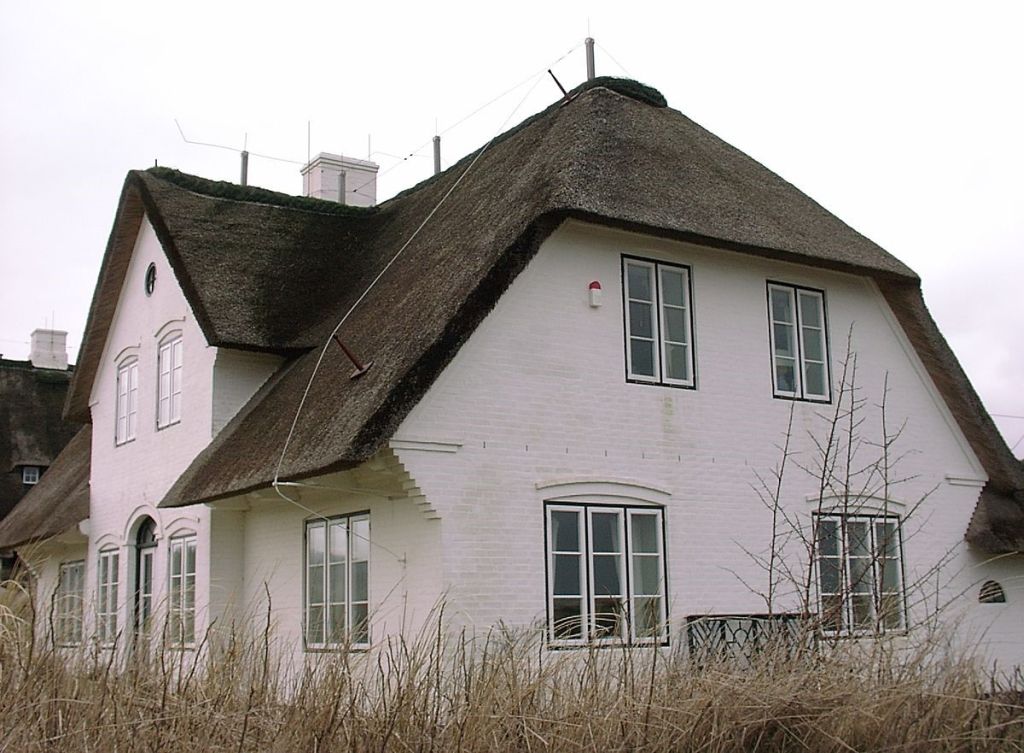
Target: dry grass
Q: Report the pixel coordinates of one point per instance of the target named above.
(499, 693)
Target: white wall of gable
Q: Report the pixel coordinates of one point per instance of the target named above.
(539, 394)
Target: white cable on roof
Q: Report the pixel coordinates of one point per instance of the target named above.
(327, 343)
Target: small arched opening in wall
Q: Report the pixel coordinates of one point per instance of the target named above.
(991, 593)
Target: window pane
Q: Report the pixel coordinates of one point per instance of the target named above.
(647, 617)
(336, 587)
(607, 579)
(785, 375)
(566, 619)
(782, 305)
(889, 574)
(861, 577)
(863, 611)
(886, 540)
(814, 378)
(339, 541)
(645, 532)
(673, 286)
(857, 536)
(315, 625)
(675, 325)
(605, 531)
(810, 309)
(359, 581)
(641, 353)
(828, 537)
(360, 539)
(639, 282)
(677, 362)
(646, 575)
(608, 618)
(891, 606)
(640, 319)
(336, 623)
(828, 575)
(785, 342)
(567, 575)
(565, 534)
(360, 624)
(814, 341)
(315, 583)
(315, 544)
(832, 613)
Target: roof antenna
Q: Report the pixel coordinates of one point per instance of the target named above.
(361, 368)
(565, 94)
(589, 42)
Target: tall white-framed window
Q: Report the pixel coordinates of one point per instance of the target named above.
(169, 363)
(30, 475)
(659, 322)
(107, 575)
(860, 573)
(67, 604)
(799, 342)
(127, 408)
(606, 574)
(337, 582)
(181, 623)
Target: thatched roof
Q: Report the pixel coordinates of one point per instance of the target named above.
(265, 273)
(58, 502)
(32, 430)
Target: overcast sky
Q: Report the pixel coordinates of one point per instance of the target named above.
(904, 119)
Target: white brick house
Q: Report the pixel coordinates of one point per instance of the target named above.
(581, 366)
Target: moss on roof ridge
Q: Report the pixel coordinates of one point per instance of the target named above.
(220, 189)
(627, 87)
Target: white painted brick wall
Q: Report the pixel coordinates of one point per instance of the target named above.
(539, 394)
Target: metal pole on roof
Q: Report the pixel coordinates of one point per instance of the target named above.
(589, 42)
(245, 168)
(437, 154)
(341, 188)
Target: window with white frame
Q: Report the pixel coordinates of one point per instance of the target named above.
(606, 574)
(659, 322)
(30, 475)
(337, 581)
(67, 604)
(181, 623)
(169, 359)
(108, 567)
(799, 342)
(860, 573)
(127, 408)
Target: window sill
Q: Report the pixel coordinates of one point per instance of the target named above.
(161, 427)
(652, 383)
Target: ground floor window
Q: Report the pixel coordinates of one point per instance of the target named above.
(67, 604)
(337, 581)
(108, 567)
(181, 623)
(860, 573)
(606, 574)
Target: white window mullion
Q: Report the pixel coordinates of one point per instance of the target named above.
(676, 329)
(642, 338)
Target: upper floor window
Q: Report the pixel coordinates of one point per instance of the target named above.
(606, 574)
(169, 384)
(182, 613)
(860, 573)
(30, 474)
(337, 581)
(127, 408)
(799, 342)
(108, 568)
(67, 606)
(659, 322)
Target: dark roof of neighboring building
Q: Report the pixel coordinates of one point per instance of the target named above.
(58, 502)
(267, 272)
(32, 429)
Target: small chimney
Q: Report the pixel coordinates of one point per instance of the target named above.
(49, 349)
(343, 179)
(437, 155)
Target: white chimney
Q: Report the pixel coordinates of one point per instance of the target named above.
(342, 179)
(49, 349)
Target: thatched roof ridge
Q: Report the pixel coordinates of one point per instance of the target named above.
(58, 502)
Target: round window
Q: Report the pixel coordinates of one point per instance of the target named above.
(150, 278)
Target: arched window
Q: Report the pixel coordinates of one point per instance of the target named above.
(991, 593)
(145, 551)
